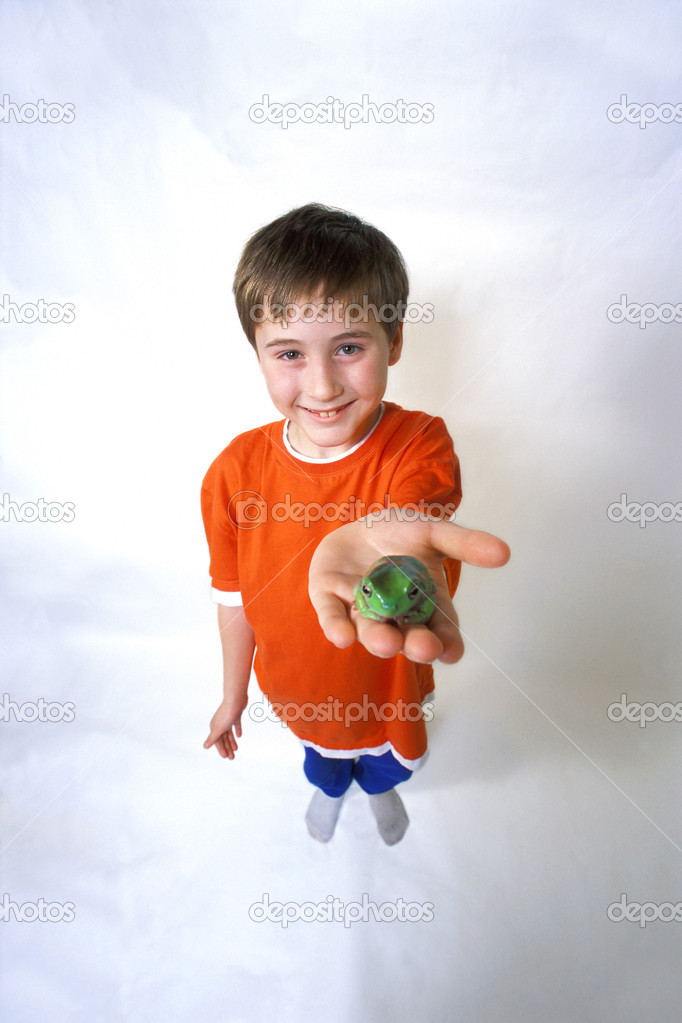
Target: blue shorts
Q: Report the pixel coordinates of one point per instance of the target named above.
(374, 774)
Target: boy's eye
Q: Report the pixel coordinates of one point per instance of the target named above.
(345, 349)
(285, 356)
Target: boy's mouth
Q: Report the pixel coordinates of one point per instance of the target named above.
(327, 413)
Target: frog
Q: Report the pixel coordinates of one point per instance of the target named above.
(397, 589)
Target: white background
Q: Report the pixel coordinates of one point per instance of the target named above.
(523, 213)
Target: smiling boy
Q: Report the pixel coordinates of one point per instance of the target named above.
(326, 376)
(320, 296)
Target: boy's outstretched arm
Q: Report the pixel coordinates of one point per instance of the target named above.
(238, 643)
(343, 557)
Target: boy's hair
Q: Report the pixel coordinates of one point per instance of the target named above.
(316, 249)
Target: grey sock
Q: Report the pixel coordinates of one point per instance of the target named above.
(322, 815)
(390, 815)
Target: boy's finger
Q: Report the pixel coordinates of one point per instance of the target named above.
(333, 617)
(213, 738)
(446, 628)
(422, 645)
(470, 545)
(379, 638)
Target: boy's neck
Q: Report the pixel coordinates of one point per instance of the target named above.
(331, 458)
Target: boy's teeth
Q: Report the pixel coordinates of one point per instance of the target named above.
(326, 415)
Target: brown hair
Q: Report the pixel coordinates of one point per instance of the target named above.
(316, 249)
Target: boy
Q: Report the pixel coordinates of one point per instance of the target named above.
(321, 297)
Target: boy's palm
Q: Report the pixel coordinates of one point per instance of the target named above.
(344, 557)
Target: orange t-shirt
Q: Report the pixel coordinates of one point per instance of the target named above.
(265, 510)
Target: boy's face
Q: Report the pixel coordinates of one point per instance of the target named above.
(327, 375)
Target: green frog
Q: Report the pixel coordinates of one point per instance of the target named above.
(397, 589)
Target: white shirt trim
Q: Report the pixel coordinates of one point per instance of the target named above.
(229, 598)
(372, 751)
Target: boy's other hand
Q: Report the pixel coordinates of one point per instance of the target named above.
(344, 557)
(226, 728)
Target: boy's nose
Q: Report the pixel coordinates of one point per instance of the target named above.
(321, 383)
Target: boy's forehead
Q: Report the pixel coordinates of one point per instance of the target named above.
(322, 310)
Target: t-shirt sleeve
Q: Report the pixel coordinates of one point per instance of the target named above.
(221, 534)
(427, 471)
(428, 477)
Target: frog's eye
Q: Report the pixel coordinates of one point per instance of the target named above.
(413, 593)
(367, 589)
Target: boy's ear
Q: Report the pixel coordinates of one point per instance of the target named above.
(395, 346)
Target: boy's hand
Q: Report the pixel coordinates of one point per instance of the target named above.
(344, 556)
(226, 727)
